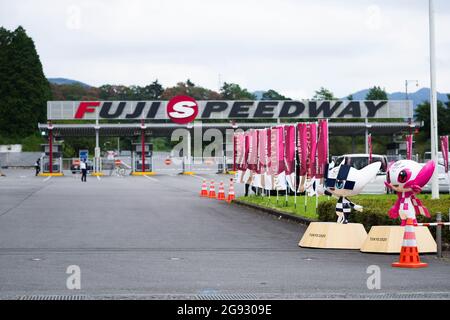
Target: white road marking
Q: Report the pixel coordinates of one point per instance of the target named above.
(46, 179)
(198, 177)
(98, 178)
(151, 178)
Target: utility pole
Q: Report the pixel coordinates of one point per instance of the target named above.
(433, 103)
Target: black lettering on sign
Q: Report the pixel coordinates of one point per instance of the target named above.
(151, 114)
(353, 109)
(214, 106)
(265, 109)
(372, 108)
(137, 111)
(286, 112)
(240, 109)
(106, 108)
(324, 107)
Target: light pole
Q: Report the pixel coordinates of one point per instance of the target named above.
(433, 102)
(406, 86)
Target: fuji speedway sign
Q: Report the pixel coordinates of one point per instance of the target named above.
(184, 109)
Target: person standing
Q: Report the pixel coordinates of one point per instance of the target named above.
(83, 169)
(37, 166)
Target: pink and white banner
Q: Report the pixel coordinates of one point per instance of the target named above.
(409, 146)
(253, 151)
(302, 147)
(322, 148)
(277, 150)
(262, 146)
(274, 133)
(444, 150)
(239, 143)
(311, 140)
(289, 149)
(369, 144)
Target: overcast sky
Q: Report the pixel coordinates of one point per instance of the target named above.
(292, 46)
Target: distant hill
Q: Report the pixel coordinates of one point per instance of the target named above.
(417, 97)
(60, 81)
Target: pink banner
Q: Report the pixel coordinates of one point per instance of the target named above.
(239, 140)
(277, 150)
(289, 149)
(274, 151)
(311, 135)
(409, 145)
(444, 150)
(269, 151)
(302, 148)
(369, 144)
(246, 151)
(262, 146)
(253, 150)
(322, 148)
(281, 145)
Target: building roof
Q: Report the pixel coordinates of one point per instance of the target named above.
(162, 129)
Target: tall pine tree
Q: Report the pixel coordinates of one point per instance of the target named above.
(24, 89)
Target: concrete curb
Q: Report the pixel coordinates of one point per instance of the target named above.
(275, 212)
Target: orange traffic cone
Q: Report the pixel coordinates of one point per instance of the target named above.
(409, 255)
(231, 196)
(221, 195)
(212, 190)
(204, 192)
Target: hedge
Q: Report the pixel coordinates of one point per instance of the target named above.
(376, 209)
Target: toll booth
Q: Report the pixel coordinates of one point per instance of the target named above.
(142, 160)
(51, 161)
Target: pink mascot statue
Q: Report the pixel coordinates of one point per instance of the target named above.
(407, 177)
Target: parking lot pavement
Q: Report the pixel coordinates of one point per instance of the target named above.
(138, 237)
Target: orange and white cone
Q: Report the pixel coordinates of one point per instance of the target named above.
(212, 190)
(231, 195)
(221, 194)
(204, 192)
(409, 255)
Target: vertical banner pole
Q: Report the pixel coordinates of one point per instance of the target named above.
(295, 167)
(143, 145)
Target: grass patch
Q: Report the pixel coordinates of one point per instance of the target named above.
(309, 211)
(379, 203)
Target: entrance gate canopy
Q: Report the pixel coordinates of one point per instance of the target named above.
(239, 110)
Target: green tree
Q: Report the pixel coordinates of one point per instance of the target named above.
(24, 89)
(232, 91)
(422, 113)
(376, 93)
(183, 88)
(323, 94)
(273, 95)
(350, 97)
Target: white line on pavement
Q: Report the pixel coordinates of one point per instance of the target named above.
(98, 178)
(46, 179)
(151, 178)
(198, 177)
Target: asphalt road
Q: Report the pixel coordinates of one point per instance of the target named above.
(154, 237)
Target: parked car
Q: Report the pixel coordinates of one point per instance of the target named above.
(359, 161)
(443, 179)
(427, 157)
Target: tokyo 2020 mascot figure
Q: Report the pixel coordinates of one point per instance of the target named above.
(344, 181)
(407, 177)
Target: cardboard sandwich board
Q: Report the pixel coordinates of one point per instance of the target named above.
(389, 239)
(332, 235)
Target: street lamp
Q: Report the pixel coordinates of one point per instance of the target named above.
(433, 102)
(406, 86)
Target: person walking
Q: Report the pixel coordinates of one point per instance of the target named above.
(83, 169)
(37, 166)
